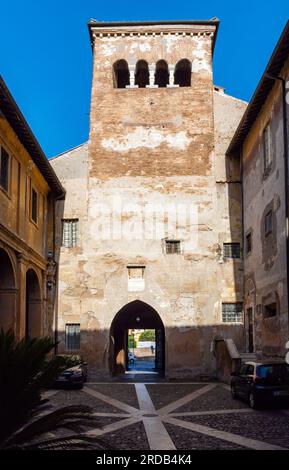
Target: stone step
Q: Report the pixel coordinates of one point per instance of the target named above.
(248, 357)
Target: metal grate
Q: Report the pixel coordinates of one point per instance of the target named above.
(173, 246)
(231, 250)
(232, 312)
(72, 336)
(69, 232)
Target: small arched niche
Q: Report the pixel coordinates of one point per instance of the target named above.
(121, 74)
(142, 74)
(183, 71)
(162, 74)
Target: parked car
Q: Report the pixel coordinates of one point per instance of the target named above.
(75, 374)
(131, 357)
(261, 382)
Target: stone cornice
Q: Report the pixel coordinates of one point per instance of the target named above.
(159, 30)
(21, 247)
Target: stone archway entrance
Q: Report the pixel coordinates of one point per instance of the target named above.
(33, 305)
(8, 293)
(135, 315)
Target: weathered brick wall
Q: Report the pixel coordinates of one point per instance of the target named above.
(265, 266)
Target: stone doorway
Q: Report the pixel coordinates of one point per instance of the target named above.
(136, 315)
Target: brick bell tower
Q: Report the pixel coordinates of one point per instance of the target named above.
(151, 106)
(151, 144)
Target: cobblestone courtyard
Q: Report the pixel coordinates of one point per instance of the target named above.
(168, 416)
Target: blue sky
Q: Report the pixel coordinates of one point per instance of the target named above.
(45, 54)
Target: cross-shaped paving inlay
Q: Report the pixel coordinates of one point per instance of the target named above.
(153, 419)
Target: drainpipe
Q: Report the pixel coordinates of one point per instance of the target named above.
(243, 244)
(285, 137)
(54, 200)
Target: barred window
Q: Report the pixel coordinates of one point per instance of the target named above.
(4, 168)
(72, 336)
(173, 246)
(232, 312)
(69, 232)
(231, 250)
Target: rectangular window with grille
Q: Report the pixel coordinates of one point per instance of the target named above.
(231, 250)
(173, 246)
(4, 169)
(72, 336)
(232, 312)
(69, 232)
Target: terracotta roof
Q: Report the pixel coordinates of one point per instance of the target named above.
(274, 67)
(12, 113)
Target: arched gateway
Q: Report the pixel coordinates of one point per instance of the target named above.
(134, 315)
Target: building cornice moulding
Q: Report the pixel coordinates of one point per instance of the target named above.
(137, 31)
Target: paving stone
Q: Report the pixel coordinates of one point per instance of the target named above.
(163, 394)
(131, 437)
(122, 392)
(216, 399)
(186, 440)
(78, 397)
(268, 426)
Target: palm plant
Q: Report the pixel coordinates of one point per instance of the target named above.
(24, 417)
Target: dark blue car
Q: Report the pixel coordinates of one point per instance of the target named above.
(260, 383)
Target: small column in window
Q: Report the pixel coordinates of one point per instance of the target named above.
(131, 69)
(171, 77)
(152, 77)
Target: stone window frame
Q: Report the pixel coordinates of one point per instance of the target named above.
(6, 190)
(267, 165)
(136, 283)
(34, 192)
(272, 298)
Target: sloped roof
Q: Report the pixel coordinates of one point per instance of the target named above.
(15, 118)
(274, 67)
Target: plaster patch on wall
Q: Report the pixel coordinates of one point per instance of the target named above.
(200, 64)
(169, 42)
(183, 310)
(108, 49)
(143, 47)
(150, 138)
